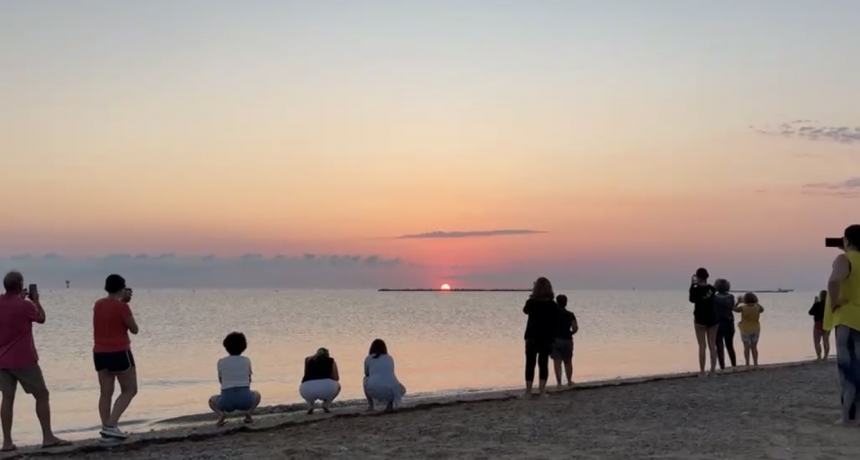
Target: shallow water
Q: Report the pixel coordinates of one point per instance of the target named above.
(441, 342)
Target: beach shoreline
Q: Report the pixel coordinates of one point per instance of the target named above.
(200, 427)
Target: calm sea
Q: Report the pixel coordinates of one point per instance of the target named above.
(441, 342)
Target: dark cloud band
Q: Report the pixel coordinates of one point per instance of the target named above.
(469, 234)
(808, 129)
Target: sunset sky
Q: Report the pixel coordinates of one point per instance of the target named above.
(604, 144)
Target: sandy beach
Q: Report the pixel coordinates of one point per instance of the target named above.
(783, 412)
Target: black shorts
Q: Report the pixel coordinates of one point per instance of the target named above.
(706, 319)
(562, 349)
(114, 362)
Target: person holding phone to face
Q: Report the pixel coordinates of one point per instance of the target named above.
(705, 320)
(114, 362)
(126, 295)
(19, 362)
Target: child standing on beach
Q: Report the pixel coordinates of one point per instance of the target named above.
(562, 347)
(749, 326)
(234, 373)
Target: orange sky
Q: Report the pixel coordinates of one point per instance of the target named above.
(291, 128)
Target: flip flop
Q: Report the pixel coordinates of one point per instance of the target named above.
(11, 448)
(60, 443)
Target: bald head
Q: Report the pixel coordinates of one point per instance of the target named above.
(13, 282)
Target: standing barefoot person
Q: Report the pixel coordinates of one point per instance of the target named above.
(705, 319)
(819, 335)
(541, 327)
(562, 347)
(19, 362)
(724, 303)
(844, 291)
(234, 375)
(114, 362)
(750, 326)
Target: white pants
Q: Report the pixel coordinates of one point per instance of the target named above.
(384, 390)
(324, 390)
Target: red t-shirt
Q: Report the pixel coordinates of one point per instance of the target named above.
(110, 333)
(17, 349)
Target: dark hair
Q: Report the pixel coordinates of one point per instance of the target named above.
(722, 285)
(542, 289)
(235, 343)
(378, 348)
(822, 297)
(561, 300)
(852, 234)
(114, 283)
(13, 281)
(750, 298)
(702, 273)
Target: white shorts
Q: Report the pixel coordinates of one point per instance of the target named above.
(319, 390)
(384, 391)
(750, 339)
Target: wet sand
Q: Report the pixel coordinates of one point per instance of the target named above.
(783, 412)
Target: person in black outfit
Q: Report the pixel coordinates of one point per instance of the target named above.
(562, 347)
(704, 318)
(724, 303)
(321, 381)
(541, 329)
(819, 335)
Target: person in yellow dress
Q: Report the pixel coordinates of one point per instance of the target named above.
(749, 326)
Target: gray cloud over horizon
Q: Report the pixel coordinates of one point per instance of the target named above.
(811, 130)
(849, 188)
(441, 234)
(249, 270)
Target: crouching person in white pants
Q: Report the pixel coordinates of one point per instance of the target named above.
(380, 383)
(320, 382)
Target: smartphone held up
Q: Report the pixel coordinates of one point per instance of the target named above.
(33, 291)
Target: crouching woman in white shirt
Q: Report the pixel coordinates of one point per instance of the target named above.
(234, 373)
(380, 383)
(320, 382)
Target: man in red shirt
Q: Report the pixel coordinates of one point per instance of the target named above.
(19, 362)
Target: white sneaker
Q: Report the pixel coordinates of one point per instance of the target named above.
(113, 432)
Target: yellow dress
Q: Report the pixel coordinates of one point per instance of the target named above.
(750, 314)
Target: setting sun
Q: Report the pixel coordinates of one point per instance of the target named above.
(445, 287)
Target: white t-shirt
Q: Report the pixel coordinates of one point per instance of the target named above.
(234, 372)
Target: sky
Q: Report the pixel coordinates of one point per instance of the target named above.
(389, 143)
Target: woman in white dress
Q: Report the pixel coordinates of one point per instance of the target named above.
(380, 383)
